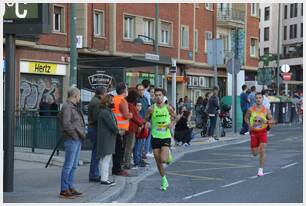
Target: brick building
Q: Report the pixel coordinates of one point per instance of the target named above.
(108, 30)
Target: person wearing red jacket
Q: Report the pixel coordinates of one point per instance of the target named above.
(135, 122)
(141, 136)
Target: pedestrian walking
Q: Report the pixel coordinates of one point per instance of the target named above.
(259, 119)
(93, 113)
(135, 122)
(162, 117)
(199, 112)
(122, 115)
(252, 96)
(141, 135)
(213, 110)
(73, 132)
(107, 131)
(244, 105)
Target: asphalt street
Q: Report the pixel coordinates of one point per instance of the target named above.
(228, 174)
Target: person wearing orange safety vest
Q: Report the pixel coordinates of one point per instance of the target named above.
(122, 115)
(259, 120)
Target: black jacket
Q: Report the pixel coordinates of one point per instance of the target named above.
(213, 105)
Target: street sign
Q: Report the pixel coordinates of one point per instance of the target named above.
(211, 53)
(25, 18)
(286, 76)
(154, 57)
(237, 66)
(264, 76)
(285, 68)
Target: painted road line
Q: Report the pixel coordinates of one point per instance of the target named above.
(211, 163)
(234, 183)
(253, 177)
(215, 168)
(267, 173)
(290, 165)
(194, 176)
(197, 194)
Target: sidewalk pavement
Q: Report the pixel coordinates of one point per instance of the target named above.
(35, 183)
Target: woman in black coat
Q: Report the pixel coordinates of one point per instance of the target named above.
(106, 137)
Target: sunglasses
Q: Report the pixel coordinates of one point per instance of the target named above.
(257, 120)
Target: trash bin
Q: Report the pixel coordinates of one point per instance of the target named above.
(274, 107)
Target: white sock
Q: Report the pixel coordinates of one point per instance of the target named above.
(260, 170)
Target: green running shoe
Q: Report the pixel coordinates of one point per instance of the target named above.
(170, 158)
(164, 183)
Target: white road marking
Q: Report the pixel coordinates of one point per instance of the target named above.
(198, 194)
(286, 166)
(234, 183)
(253, 177)
(268, 173)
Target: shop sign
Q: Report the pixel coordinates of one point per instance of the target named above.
(97, 80)
(154, 57)
(42, 68)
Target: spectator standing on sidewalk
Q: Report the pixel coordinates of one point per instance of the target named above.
(265, 101)
(122, 115)
(252, 97)
(205, 112)
(73, 132)
(146, 84)
(93, 113)
(187, 103)
(144, 108)
(141, 135)
(244, 105)
(106, 137)
(135, 122)
(151, 91)
(213, 111)
(199, 112)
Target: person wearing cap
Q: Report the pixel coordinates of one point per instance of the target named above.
(93, 113)
(213, 111)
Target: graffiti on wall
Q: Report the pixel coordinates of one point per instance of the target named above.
(34, 87)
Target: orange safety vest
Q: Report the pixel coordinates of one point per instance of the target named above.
(121, 121)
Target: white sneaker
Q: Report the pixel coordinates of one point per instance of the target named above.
(260, 172)
(150, 154)
(247, 133)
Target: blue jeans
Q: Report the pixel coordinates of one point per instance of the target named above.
(72, 155)
(94, 162)
(137, 152)
(148, 147)
(212, 125)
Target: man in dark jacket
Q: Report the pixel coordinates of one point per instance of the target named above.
(213, 111)
(244, 104)
(73, 132)
(93, 113)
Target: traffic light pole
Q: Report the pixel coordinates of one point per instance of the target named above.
(278, 52)
(10, 124)
(156, 42)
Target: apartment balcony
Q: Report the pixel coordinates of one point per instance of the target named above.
(230, 18)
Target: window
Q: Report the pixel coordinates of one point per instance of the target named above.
(285, 32)
(267, 13)
(209, 6)
(259, 34)
(58, 19)
(184, 37)
(301, 29)
(285, 11)
(253, 48)
(225, 41)
(148, 29)
(293, 10)
(129, 31)
(165, 33)
(254, 9)
(266, 50)
(266, 33)
(293, 31)
(196, 40)
(98, 23)
(197, 5)
(208, 35)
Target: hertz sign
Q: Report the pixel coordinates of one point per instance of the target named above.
(25, 18)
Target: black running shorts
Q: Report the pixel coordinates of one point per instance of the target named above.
(159, 143)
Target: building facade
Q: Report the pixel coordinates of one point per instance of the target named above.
(108, 30)
(290, 36)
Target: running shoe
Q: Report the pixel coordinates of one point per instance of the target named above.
(260, 174)
(170, 158)
(164, 183)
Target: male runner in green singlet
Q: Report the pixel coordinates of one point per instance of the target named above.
(162, 117)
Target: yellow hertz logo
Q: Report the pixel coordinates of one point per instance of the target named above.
(42, 68)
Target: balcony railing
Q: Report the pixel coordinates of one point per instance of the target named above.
(229, 14)
(291, 55)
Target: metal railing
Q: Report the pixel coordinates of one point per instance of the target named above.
(228, 14)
